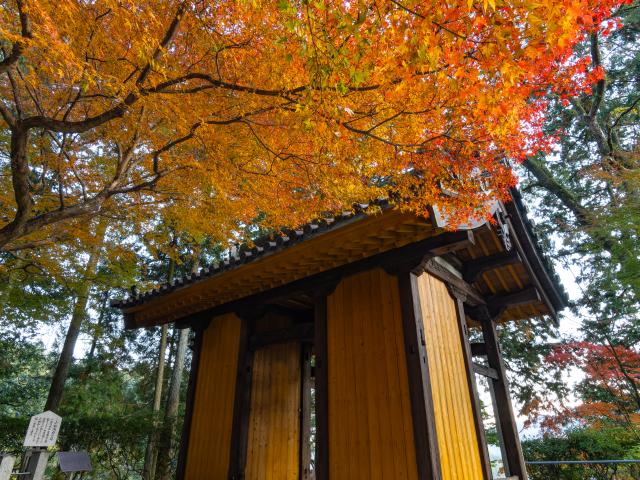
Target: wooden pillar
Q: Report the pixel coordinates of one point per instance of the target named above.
(471, 380)
(322, 389)
(191, 395)
(242, 404)
(424, 427)
(305, 412)
(506, 420)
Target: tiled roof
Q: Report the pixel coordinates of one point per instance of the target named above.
(262, 247)
(279, 241)
(547, 271)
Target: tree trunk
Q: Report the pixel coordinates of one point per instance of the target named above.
(173, 402)
(150, 457)
(5, 294)
(78, 315)
(98, 330)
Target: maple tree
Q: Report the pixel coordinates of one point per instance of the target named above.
(216, 113)
(585, 198)
(610, 390)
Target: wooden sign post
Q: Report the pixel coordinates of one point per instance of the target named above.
(35, 463)
(72, 462)
(42, 433)
(6, 466)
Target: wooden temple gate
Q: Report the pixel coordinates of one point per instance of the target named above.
(345, 353)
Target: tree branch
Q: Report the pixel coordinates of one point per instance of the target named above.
(18, 47)
(166, 41)
(600, 85)
(7, 116)
(548, 182)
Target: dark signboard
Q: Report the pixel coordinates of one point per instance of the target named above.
(74, 461)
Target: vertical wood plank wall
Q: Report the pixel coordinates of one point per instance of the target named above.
(274, 422)
(459, 449)
(370, 424)
(209, 443)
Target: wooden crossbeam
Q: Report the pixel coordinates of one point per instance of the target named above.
(301, 332)
(497, 304)
(465, 240)
(485, 371)
(438, 270)
(478, 349)
(474, 268)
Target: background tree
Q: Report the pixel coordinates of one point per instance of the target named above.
(585, 195)
(584, 443)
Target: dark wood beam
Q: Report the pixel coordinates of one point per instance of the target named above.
(512, 299)
(478, 349)
(189, 404)
(299, 315)
(305, 413)
(485, 371)
(322, 389)
(471, 294)
(465, 240)
(505, 417)
(497, 304)
(422, 409)
(299, 332)
(242, 404)
(474, 268)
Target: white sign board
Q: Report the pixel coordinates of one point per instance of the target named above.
(43, 430)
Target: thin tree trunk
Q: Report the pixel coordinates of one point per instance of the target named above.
(150, 456)
(79, 313)
(97, 332)
(173, 402)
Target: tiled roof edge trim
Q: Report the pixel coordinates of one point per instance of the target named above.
(560, 296)
(268, 244)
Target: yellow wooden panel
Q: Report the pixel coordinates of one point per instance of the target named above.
(274, 422)
(210, 439)
(455, 426)
(370, 423)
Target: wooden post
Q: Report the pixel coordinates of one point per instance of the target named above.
(191, 396)
(36, 460)
(506, 420)
(496, 417)
(424, 425)
(305, 412)
(242, 405)
(6, 466)
(471, 380)
(322, 389)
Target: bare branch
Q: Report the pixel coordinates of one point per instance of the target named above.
(62, 126)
